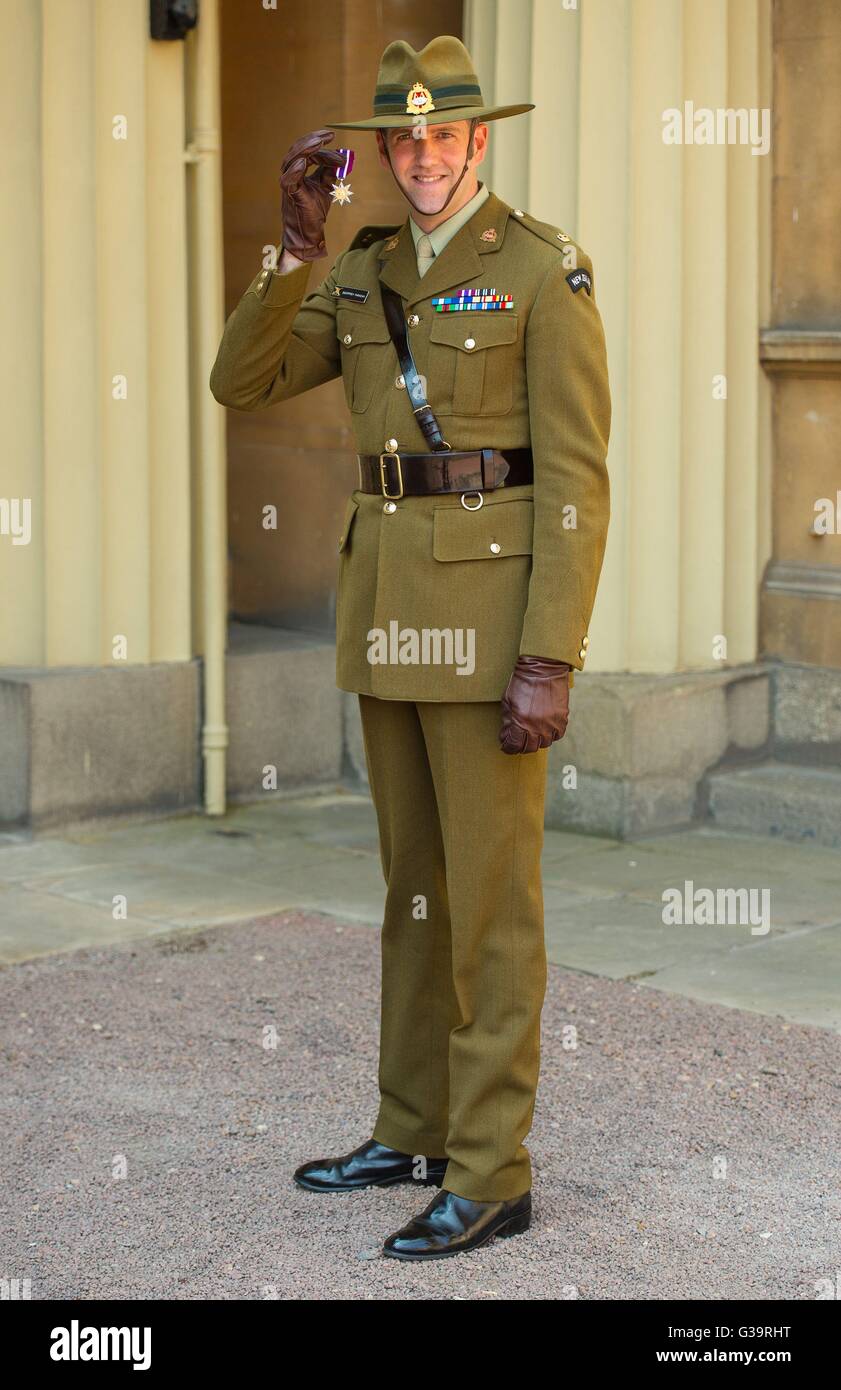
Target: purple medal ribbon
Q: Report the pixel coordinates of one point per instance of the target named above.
(341, 191)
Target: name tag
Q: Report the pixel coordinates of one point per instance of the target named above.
(348, 292)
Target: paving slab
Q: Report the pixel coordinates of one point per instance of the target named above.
(38, 924)
(795, 975)
(804, 883)
(621, 937)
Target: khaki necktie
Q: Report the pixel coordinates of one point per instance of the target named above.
(425, 254)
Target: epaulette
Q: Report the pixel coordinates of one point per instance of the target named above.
(544, 230)
(367, 235)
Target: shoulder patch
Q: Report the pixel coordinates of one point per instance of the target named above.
(545, 231)
(366, 236)
(577, 278)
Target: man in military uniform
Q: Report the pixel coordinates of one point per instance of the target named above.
(473, 362)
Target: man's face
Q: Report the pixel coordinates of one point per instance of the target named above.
(427, 160)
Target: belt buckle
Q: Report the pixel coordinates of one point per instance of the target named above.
(384, 478)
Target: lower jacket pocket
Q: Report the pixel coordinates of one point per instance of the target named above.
(350, 513)
(490, 533)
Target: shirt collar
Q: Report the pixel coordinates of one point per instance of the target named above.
(446, 230)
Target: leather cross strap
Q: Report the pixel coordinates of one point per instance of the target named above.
(396, 321)
(444, 469)
(456, 470)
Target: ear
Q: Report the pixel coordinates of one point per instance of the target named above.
(480, 141)
(382, 136)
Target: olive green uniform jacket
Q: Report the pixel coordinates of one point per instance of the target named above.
(520, 572)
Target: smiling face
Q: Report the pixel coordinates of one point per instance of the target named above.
(427, 160)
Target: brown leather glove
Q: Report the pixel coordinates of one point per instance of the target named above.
(306, 197)
(535, 706)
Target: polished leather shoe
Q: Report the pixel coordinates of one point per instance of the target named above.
(451, 1225)
(371, 1165)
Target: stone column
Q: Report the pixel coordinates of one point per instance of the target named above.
(94, 287)
(678, 234)
(21, 343)
(122, 381)
(73, 390)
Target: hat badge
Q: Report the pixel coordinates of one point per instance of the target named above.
(419, 100)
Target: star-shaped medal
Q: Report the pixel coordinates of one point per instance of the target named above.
(342, 192)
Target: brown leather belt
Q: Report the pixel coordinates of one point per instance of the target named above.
(471, 470)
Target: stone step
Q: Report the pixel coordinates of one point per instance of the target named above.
(784, 799)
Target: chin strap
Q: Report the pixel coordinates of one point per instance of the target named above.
(423, 211)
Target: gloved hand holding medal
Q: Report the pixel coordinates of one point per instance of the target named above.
(307, 197)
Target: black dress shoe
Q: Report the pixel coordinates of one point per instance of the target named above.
(452, 1224)
(371, 1165)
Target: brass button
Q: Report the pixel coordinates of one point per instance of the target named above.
(390, 507)
(469, 343)
(400, 382)
(582, 653)
(585, 642)
(390, 446)
(495, 547)
(518, 212)
(413, 320)
(348, 338)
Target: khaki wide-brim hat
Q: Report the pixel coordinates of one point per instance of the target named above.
(438, 84)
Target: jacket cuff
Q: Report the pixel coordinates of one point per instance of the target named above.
(537, 638)
(278, 291)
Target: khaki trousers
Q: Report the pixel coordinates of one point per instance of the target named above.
(463, 951)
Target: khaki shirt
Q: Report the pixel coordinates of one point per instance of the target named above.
(446, 230)
(520, 573)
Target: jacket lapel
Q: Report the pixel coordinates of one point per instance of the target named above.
(461, 259)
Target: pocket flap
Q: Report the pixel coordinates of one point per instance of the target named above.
(487, 329)
(350, 513)
(360, 328)
(459, 534)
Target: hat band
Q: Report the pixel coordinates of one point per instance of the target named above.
(391, 101)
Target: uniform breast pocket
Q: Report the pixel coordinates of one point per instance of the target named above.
(491, 532)
(471, 362)
(365, 345)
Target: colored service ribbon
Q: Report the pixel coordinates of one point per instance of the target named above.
(472, 299)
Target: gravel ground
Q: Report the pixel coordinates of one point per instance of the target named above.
(680, 1150)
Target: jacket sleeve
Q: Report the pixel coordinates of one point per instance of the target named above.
(569, 422)
(274, 345)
